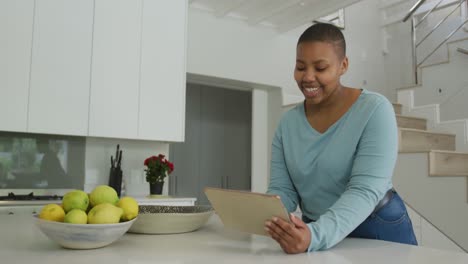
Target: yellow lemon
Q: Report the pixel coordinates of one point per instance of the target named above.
(129, 206)
(103, 194)
(76, 216)
(105, 213)
(76, 199)
(52, 212)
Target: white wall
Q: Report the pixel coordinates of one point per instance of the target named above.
(229, 48)
(364, 48)
(428, 236)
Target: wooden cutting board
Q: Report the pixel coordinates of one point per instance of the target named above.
(246, 211)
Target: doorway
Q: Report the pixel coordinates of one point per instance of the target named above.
(218, 142)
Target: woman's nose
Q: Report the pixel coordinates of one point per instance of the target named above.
(309, 76)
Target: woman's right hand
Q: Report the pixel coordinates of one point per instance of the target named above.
(294, 237)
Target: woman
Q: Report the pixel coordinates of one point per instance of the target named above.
(334, 155)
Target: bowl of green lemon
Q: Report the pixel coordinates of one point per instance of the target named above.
(87, 221)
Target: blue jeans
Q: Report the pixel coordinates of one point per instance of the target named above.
(389, 223)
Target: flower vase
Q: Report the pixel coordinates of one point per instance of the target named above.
(156, 188)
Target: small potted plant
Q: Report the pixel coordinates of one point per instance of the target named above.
(157, 168)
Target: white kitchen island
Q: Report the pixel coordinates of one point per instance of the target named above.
(22, 242)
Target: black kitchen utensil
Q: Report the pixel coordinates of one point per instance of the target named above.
(115, 174)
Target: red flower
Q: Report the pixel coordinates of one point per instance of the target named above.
(147, 161)
(171, 166)
(158, 167)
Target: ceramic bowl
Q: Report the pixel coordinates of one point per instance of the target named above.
(160, 219)
(82, 236)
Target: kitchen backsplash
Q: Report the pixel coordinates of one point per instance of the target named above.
(36, 161)
(134, 152)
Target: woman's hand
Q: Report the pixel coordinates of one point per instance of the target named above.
(293, 237)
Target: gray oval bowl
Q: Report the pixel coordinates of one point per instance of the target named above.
(161, 219)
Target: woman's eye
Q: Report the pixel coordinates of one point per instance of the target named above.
(320, 69)
(300, 68)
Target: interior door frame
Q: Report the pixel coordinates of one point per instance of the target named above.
(266, 112)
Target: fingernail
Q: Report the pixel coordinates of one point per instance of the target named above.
(275, 219)
(267, 223)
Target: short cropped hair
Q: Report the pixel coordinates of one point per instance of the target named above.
(326, 33)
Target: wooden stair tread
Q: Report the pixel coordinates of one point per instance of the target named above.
(417, 140)
(425, 131)
(448, 163)
(411, 122)
(397, 108)
(411, 117)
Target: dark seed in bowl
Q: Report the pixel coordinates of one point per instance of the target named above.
(166, 209)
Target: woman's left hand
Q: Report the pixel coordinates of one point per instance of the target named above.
(293, 237)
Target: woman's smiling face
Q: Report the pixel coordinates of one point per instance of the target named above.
(319, 67)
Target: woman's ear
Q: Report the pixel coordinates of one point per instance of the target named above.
(344, 65)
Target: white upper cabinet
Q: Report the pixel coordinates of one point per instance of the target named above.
(61, 65)
(162, 78)
(115, 69)
(16, 24)
(101, 68)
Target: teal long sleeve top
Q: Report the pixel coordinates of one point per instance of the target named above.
(336, 177)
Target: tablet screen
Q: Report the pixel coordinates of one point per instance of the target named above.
(246, 211)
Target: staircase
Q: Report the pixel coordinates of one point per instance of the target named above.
(431, 173)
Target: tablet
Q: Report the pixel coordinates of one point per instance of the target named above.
(246, 211)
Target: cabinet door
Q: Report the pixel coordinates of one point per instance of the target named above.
(115, 69)
(16, 24)
(60, 69)
(162, 86)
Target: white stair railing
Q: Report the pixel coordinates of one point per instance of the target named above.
(414, 27)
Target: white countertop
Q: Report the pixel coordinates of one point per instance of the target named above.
(142, 200)
(22, 242)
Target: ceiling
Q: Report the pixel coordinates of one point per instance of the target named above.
(283, 15)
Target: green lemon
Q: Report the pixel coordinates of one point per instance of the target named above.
(75, 200)
(103, 194)
(76, 216)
